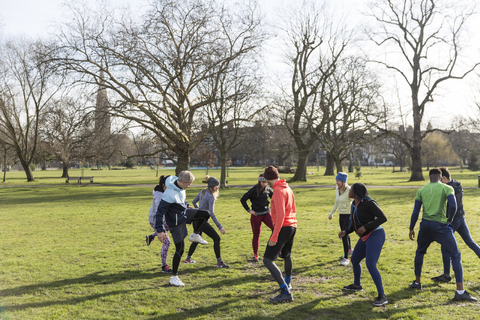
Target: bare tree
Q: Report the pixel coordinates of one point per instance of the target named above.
(27, 83)
(67, 129)
(155, 64)
(422, 42)
(315, 48)
(351, 99)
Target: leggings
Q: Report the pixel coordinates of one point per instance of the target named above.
(165, 246)
(284, 244)
(343, 220)
(256, 222)
(197, 217)
(209, 231)
(179, 248)
(370, 250)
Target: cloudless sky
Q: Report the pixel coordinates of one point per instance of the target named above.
(34, 18)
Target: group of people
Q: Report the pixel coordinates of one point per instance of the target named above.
(443, 214)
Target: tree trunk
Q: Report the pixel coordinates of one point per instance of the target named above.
(5, 166)
(223, 174)
(329, 166)
(417, 174)
(183, 160)
(338, 164)
(301, 172)
(28, 171)
(65, 170)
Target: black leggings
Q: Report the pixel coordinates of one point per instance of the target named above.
(179, 248)
(343, 219)
(209, 231)
(197, 217)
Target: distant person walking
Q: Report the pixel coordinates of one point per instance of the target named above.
(435, 226)
(284, 228)
(157, 196)
(366, 219)
(458, 224)
(175, 209)
(342, 203)
(258, 196)
(206, 199)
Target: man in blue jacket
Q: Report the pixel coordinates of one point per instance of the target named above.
(177, 213)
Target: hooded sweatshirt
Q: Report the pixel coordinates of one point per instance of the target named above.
(173, 206)
(282, 208)
(457, 187)
(157, 196)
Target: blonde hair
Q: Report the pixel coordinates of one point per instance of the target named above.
(343, 188)
(214, 193)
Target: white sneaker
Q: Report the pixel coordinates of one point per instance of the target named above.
(345, 262)
(175, 281)
(197, 238)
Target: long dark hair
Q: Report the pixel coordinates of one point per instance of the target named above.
(360, 191)
(161, 181)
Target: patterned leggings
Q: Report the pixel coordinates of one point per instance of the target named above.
(165, 246)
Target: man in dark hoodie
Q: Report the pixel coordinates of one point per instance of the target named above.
(458, 224)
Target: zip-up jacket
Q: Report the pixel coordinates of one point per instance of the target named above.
(367, 214)
(457, 187)
(157, 196)
(173, 206)
(260, 203)
(342, 202)
(283, 208)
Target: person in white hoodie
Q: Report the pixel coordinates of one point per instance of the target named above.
(342, 203)
(177, 213)
(157, 196)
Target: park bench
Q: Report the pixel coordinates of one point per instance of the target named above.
(79, 179)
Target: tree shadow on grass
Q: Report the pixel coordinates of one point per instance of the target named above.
(100, 278)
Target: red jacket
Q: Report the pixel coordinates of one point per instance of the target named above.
(282, 208)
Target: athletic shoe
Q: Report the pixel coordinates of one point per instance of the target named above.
(289, 286)
(166, 269)
(175, 281)
(465, 296)
(188, 261)
(194, 237)
(380, 301)
(345, 262)
(255, 258)
(352, 287)
(222, 265)
(149, 239)
(414, 285)
(442, 278)
(284, 296)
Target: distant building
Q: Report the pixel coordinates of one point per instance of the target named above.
(102, 106)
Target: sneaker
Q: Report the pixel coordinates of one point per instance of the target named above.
(255, 258)
(149, 239)
(442, 278)
(352, 287)
(289, 286)
(166, 269)
(465, 296)
(380, 301)
(194, 237)
(175, 281)
(414, 285)
(222, 265)
(345, 262)
(284, 296)
(189, 261)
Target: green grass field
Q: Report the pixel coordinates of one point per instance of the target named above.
(78, 252)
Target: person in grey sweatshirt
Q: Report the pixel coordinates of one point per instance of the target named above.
(206, 200)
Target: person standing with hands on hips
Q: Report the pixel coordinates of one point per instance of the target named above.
(366, 218)
(284, 228)
(342, 203)
(258, 196)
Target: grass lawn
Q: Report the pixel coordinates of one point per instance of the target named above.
(71, 252)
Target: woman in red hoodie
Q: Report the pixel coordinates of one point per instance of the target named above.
(284, 227)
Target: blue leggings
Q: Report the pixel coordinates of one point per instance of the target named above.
(370, 250)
